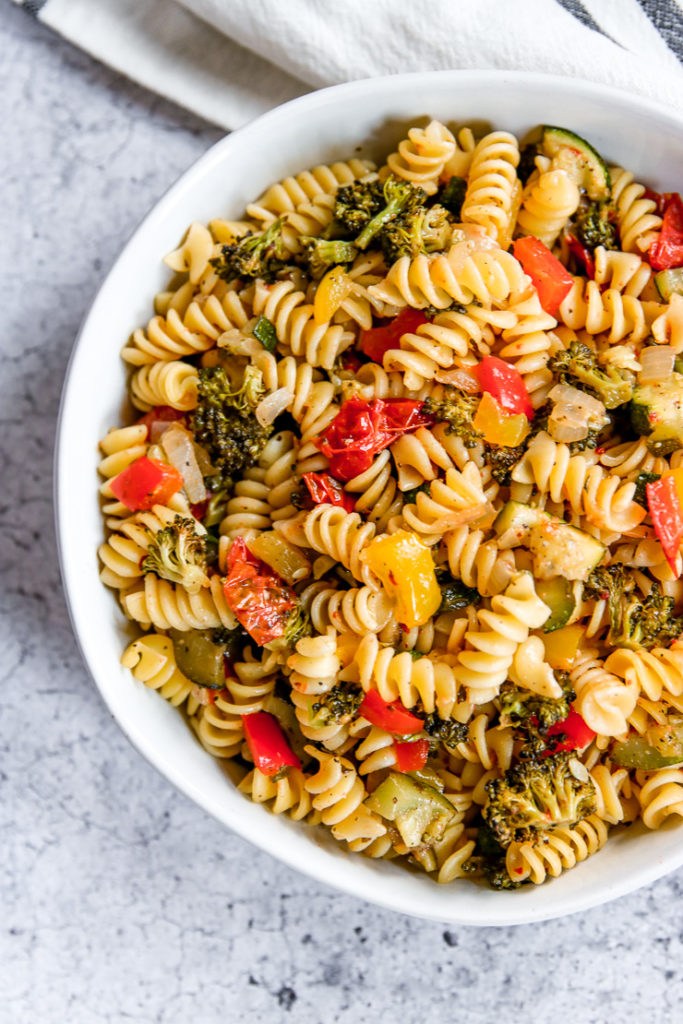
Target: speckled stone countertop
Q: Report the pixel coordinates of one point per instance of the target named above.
(120, 900)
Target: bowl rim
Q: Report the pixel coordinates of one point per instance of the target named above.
(352, 884)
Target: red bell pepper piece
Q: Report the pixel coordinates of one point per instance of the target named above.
(361, 429)
(146, 482)
(393, 717)
(667, 249)
(550, 278)
(267, 744)
(582, 255)
(411, 756)
(574, 730)
(667, 517)
(324, 489)
(504, 383)
(378, 340)
(257, 595)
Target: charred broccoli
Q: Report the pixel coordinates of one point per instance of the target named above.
(452, 195)
(223, 421)
(377, 205)
(534, 796)
(593, 227)
(648, 622)
(611, 583)
(457, 408)
(578, 366)
(415, 231)
(339, 704)
(445, 730)
(298, 625)
(178, 553)
(501, 461)
(357, 203)
(533, 714)
(488, 859)
(319, 254)
(263, 255)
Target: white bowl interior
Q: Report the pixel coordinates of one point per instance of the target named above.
(362, 118)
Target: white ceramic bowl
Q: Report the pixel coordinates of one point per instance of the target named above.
(361, 118)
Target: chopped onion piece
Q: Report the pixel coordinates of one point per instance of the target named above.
(270, 407)
(657, 363)
(238, 343)
(458, 378)
(577, 403)
(564, 430)
(177, 443)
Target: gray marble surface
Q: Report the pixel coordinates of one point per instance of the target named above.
(119, 899)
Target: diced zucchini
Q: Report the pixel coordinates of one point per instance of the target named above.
(657, 413)
(559, 596)
(660, 748)
(418, 810)
(576, 156)
(558, 549)
(199, 658)
(669, 282)
(515, 516)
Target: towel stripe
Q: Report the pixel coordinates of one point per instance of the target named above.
(576, 8)
(666, 17)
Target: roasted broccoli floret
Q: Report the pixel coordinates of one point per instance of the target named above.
(445, 730)
(298, 625)
(357, 203)
(529, 712)
(415, 231)
(593, 227)
(223, 421)
(648, 622)
(642, 480)
(263, 255)
(611, 583)
(501, 461)
(178, 553)
(488, 859)
(578, 366)
(218, 495)
(457, 408)
(319, 254)
(452, 195)
(534, 796)
(398, 198)
(339, 704)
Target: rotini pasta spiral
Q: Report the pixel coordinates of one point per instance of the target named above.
(152, 662)
(661, 795)
(167, 605)
(338, 793)
(555, 851)
(483, 667)
(430, 680)
(602, 699)
(638, 223)
(297, 331)
(342, 535)
(171, 383)
(358, 610)
(285, 795)
(491, 184)
(547, 204)
(422, 156)
(618, 316)
(451, 503)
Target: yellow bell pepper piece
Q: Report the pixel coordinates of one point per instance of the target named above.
(561, 647)
(677, 474)
(331, 292)
(406, 568)
(497, 426)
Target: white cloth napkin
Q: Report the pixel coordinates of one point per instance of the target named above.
(229, 60)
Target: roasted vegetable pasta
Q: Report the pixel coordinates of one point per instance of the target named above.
(398, 513)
